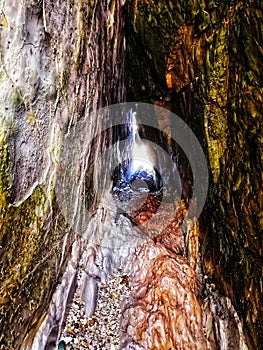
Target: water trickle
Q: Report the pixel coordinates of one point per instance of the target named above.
(137, 174)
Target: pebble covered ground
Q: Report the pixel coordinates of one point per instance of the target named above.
(101, 331)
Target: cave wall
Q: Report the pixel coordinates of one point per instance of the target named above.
(59, 61)
(237, 192)
(203, 61)
(200, 59)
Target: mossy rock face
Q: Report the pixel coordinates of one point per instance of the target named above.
(56, 67)
(241, 174)
(212, 54)
(21, 238)
(30, 251)
(153, 29)
(4, 171)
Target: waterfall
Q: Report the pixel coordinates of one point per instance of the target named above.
(140, 163)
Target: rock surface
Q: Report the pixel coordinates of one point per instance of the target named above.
(164, 311)
(59, 61)
(62, 59)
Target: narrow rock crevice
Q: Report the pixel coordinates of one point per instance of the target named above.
(75, 219)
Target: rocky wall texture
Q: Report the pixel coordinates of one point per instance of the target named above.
(164, 312)
(236, 228)
(205, 61)
(59, 61)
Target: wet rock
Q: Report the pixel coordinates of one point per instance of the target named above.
(164, 311)
(89, 291)
(222, 325)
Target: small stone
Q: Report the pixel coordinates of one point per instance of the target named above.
(70, 331)
(125, 280)
(67, 339)
(62, 345)
(92, 322)
(76, 341)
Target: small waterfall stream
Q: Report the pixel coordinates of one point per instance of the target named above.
(141, 163)
(138, 172)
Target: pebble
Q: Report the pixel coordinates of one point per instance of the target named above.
(101, 331)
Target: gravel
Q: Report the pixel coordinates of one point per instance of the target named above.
(101, 331)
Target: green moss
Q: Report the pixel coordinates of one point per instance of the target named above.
(216, 73)
(21, 234)
(4, 171)
(25, 266)
(20, 228)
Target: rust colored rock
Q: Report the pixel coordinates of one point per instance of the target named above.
(164, 312)
(162, 224)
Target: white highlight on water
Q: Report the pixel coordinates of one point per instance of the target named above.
(141, 159)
